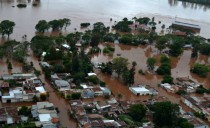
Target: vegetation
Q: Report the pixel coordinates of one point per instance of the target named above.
(200, 69)
(151, 63)
(137, 112)
(201, 90)
(24, 111)
(108, 49)
(21, 5)
(59, 24)
(167, 79)
(204, 2)
(43, 97)
(122, 26)
(181, 92)
(85, 24)
(165, 67)
(165, 114)
(6, 27)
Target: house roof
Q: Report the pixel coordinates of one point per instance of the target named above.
(44, 117)
(139, 89)
(40, 89)
(91, 74)
(62, 83)
(187, 24)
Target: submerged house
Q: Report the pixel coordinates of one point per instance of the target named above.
(187, 26)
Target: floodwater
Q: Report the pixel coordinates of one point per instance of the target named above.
(180, 68)
(100, 10)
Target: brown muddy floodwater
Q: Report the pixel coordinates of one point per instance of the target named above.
(180, 68)
(100, 10)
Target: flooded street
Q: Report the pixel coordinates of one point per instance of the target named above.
(100, 10)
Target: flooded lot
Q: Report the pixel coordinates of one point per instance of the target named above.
(180, 68)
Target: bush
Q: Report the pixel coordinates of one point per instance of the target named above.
(84, 24)
(43, 97)
(181, 92)
(167, 79)
(76, 96)
(165, 59)
(164, 69)
(93, 79)
(21, 5)
(200, 69)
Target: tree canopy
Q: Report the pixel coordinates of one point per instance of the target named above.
(6, 27)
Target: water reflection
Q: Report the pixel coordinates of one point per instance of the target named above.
(194, 6)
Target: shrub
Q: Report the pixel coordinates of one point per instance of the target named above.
(200, 69)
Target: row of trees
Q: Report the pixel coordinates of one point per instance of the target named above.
(59, 24)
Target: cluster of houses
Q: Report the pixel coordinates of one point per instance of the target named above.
(43, 114)
(102, 114)
(181, 83)
(198, 104)
(63, 83)
(25, 88)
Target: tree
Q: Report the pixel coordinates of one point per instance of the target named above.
(167, 79)
(137, 112)
(76, 96)
(42, 26)
(24, 111)
(95, 40)
(151, 63)
(67, 22)
(176, 48)
(119, 64)
(35, 98)
(6, 27)
(9, 66)
(54, 24)
(2, 52)
(43, 97)
(194, 53)
(119, 96)
(161, 43)
(200, 69)
(165, 114)
(164, 69)
(165, 59)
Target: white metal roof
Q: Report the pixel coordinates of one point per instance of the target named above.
(40, 89)
(44, 117)
(139, 89)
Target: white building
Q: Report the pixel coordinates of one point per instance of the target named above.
(140, 91)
